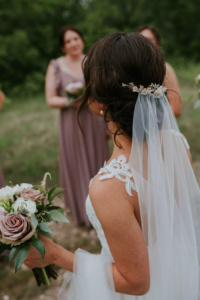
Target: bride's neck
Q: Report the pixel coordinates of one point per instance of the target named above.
(122, 143)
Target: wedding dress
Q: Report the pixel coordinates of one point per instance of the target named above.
(160, 172)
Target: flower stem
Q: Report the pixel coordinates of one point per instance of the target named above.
(46, 277)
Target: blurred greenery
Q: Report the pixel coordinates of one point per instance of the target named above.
(28, 140)
(28, 32)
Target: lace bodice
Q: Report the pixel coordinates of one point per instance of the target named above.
(120, 169)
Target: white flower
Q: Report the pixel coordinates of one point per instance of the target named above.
(73, 87)
(144, 91)
(2, 209)
(26, 186)
(135, 89)
(6, 193)
(164, 89)
(28, 205)
(17, 189)
(149, 90)
(158, 93)
(69, 87)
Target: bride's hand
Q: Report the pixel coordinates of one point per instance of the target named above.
(34, 259)
(54, 255)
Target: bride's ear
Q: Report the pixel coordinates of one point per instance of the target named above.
(97, 108)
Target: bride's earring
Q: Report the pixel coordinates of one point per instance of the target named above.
(101, 111)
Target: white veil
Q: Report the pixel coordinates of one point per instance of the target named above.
(167, 189)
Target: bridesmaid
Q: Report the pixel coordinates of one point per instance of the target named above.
(2, 184)
(80, 156)
(170, 81)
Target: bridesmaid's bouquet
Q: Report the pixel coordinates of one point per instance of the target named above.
(25, 211)
(73, 90)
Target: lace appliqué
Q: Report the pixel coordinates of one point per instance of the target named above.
(120, 169)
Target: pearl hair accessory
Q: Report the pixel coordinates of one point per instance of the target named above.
(101, 112)
(156, 89)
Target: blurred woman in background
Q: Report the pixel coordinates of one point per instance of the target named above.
(170, 81)
(2, 184)
(80, 156)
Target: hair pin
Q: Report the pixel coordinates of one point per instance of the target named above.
(156, 89)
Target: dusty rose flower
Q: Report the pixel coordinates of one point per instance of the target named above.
(31, 194)
(15, 229)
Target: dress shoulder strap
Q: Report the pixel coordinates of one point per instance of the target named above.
(120, 169)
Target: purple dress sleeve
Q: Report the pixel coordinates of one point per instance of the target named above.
(57, 72)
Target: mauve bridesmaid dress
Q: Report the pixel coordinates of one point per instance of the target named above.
(80, 157)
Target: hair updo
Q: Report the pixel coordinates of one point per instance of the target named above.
(153, 30)
(63, 30)
(120, 58)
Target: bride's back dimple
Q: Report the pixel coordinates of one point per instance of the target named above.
(120, 169)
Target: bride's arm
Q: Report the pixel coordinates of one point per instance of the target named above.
(173, 93)
(1, 98)
(52, 98)
(115, 210)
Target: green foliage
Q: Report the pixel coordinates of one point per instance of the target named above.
(44, 233)
(50, 194)
(28, 37)
(57, 216)
(38, 245)
(20, 258)
(44, 227)
(28, 32)
(13, 252)
(34, 221)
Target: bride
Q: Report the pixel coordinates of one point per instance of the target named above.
(140, 202)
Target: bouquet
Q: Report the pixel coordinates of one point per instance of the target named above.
(25, 211)
(74, 90)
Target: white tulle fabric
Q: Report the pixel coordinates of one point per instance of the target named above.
(168, 194)
(166, 188)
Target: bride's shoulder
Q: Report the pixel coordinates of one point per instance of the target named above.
(114, 181)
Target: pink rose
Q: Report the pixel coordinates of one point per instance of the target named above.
(15, 229)
(31, 194)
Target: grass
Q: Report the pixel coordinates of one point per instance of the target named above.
(29, 141)
(189, 122)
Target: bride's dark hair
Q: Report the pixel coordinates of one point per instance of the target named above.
(120, 58)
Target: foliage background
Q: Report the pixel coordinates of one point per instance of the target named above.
(28, 32)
